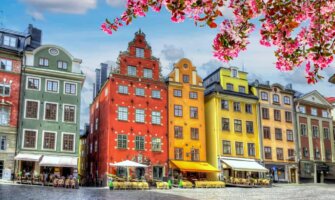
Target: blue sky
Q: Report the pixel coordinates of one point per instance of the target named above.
(75, 25)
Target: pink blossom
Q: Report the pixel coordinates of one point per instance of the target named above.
(106, 28)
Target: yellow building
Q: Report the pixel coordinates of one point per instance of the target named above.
(187, 137)
(277, 130)
(231, 112)
(82, 165)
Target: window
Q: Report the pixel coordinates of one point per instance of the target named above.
(3, 143)
(186, 78)
(266, 132)
(122, 89)
(96, 146)
(250, 127)
(32, 109)
(226, 147)
(156, 144)
(194, 112)
(33, 83)
(178, 111)
(68, 142)
(265, 96)
(178, 132)
(139, 52)
(305, 152)
(288, 116)
(62, 65)
(328, 154)
(287, 100)
(9, 41)
(251, 149)
(156, 117)
(280, 155)
(315, 131)
(43, 62)
(139, 142)
(139, 115)
(324, 113)
(139, 92)
(147, 73)
(277, 115)
(4, 90)
(178, 153)
(326, 134)
(195, 155)
(239, 148)
(317, 153)
(177, 93)
(265, 113)
(122, 142)
(314, 111)
(52, 86)
(241, 89)
(225, 124)
(4, 116)
(156, 94)
(49, 140)
(96, 123)
(275, 98)
(122, 113)
(248, 108)
(303, 129)
(230, 87)
(50, 111)
(302, 109)
(193, 95)
(132, 71)
(267, 152)
(224, 105)
(291, 154)
(237, 125)
(237, 106)
(6, 65)
(194, 133)
(234, 72)
(69, 113)
(289, 135)
(29, 139)
(70, 88)
(278, 134)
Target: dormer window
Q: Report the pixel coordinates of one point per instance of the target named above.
(9, 41)
(6, 65)
(43, 62)
(230, 87)
(234, 72)
(139, 52)
(62, 65)
(275, 98)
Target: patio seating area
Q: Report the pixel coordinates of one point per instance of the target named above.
(249, 181)
(130, 185)
(209, 184)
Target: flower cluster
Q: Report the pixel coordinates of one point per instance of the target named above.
(302, 31)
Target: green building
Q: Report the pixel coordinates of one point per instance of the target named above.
(48, 135)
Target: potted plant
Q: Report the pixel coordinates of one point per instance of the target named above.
(110, 185)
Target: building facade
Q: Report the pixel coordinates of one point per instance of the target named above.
(48, 139)
(128, 117)
(231, 111)
(278, 135)
(12, 46)
(83, 149)
(315, 137)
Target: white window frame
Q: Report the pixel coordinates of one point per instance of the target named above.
(129, 69)
(314, 113)
(325, 113)
(39, 84)
(10, 40)
(46, 85)
(62, 63)
(25, 109)
(287, 100)
(156, 97)
(9, 114)
(118, 116)
(138, 94)
(75, 113)
(7, 61)
(42, 147)
(302, 109)
(264, 94)
(74, 141)
(152, 118)
(45, 62)
(64, 90)
(139, 52)
(23, 137)
(4, 85)
(233, 74)
(121, 89)
(140, 117)
(145, 74)
(57, 111)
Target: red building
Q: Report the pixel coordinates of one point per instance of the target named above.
(128, 117)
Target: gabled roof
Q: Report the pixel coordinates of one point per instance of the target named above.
(317, 94)
(331, 99)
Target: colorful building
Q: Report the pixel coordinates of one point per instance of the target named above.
(278, 135)
(83, 149)
(128, 117)
(187, 137)
(12, 46)
(315, 137)
(48, 134)
(231, 110)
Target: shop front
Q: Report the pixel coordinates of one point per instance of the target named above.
(27, 164)
(59, 166)
(282, 172)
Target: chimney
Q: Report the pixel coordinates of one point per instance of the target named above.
(36, 36)
(289, 86)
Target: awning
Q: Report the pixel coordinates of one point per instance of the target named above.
(194, 166)
(127, 163)
(242, 164)
(59, 161)
(27, 157)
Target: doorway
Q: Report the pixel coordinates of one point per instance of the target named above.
(293, 177)
(140, 172)
(158, 172)
(1, 168)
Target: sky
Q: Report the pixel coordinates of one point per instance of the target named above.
(75, 25)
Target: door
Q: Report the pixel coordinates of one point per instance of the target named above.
(1, 168)
(158, 172)
(140, 173)
(293, 179)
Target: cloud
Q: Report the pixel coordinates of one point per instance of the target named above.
(172, 53)
(116, 3)
(208, 67)
(36, 8)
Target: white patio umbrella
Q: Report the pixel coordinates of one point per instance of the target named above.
(127, 164)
